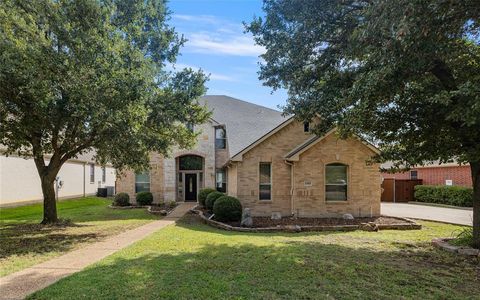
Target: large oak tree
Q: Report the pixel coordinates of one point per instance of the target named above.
(405, 73)
(83, 75)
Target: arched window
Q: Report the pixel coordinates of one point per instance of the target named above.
(336, 182)
(190, 162)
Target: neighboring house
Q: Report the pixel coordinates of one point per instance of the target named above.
(436, 174)
(272, 163)
(20, 182)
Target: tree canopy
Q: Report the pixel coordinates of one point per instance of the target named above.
(403, 73)
(82, 75)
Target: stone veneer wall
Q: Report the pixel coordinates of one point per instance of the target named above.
(163, 169)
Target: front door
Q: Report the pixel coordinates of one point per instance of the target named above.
(190, 187)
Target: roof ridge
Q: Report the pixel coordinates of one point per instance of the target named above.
(244, 101)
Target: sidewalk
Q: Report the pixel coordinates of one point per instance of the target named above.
(20, 284)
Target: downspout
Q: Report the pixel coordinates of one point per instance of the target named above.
(84, 179)
(292, 182)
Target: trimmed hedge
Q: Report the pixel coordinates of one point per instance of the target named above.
(211, 198)
(202, 195)
(121, 199)
(450, 195)
(227, 209)
(144, 198)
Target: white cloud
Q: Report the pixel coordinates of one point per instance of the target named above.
(221, 44)
(200, 18)
(213, 76)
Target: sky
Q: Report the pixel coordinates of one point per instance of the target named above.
(218, 45)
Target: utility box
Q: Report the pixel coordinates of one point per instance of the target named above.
(102, 192)
(110, 191)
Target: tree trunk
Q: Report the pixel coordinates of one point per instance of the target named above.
(49, 200)
(475, 168)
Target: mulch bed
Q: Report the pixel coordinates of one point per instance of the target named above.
(312, 224)
(260, 222)
(154, 208)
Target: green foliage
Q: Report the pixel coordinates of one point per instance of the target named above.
(451, 195)
(202, 195)
(211, 198)
(121, 199)
(405, 74)
(171, 203)
(227, 209)
(89, 75)
(464, 237)
(144, 198)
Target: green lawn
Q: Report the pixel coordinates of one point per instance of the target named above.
(24, 242)
(193, 261)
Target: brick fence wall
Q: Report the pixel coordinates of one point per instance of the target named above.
(460, 175)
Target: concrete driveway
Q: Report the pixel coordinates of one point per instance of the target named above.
(433, 213)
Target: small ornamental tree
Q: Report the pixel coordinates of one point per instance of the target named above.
(403, 73)
(85, 75)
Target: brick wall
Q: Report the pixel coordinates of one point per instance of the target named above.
(460, 175)
(364, 180)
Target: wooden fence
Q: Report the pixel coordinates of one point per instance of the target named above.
(399, 190)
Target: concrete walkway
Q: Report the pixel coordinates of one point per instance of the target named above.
(20, 284)
(424, 212)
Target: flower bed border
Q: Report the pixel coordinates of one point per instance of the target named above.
(148, 207)
(443, 243)
(408, 225)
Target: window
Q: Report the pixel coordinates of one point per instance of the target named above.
(189, 126)
(190, 162)
(220, 138)
(265, 183)
(221, 180)
(142, 182)
(104, 174)
(413, 174)
(92, 173)
(306, 126)
(336, 182)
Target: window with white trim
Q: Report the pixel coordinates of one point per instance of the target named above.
(104, 174)
(336, 182)
(265, 182)
(92, 173)
(220, 138)
(221, 180)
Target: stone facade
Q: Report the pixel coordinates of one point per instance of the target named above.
(164, 179)
(299, 198)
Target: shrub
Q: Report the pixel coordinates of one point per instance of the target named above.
(211, 198)
(144, 198)
(227, 209)
(121, 199)
(450, 195)
(171, 203)
(202, 195)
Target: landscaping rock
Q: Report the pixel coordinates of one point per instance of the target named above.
(276, 216)
(369, 226)
(293, 228)
(348, 217)
(163, 212)
(247, 220)
(468, 251)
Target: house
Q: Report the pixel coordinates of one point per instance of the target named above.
(271, 163)
(20, 182)
(435, 174)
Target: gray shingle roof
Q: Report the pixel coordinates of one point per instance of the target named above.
(244, 122)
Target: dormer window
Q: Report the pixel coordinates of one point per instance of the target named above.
(306, 126)
(220, 138)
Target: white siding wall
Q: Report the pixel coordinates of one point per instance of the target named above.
(19, 180)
